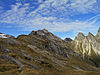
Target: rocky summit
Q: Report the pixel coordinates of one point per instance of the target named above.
(43, 53)
(88, 46)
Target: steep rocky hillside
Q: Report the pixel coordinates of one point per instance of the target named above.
(88, 46)
(42, 53)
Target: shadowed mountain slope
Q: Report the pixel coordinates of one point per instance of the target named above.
(42, 53)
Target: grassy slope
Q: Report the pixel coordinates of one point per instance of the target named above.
(48, 63)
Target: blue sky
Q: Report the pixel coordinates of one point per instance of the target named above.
(64, 18)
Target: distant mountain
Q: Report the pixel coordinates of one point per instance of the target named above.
(2, 35)
(68, 39)
(43, 53)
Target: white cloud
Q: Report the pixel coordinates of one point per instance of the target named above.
(54, 12)
(1, 9)
(69, 7)
(40, 1)
(16, 14)
(57, 25)
(84, 6)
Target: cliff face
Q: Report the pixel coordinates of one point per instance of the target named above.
(88, 46)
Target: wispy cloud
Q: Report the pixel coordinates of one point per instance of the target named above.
(94, 17)
(16, 14)
(84, 6)
(40, 1)
(52, 15)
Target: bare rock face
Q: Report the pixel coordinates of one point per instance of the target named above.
(88, 46)
(80, 36)
(44, 39)
(98, 34)
(45, 34)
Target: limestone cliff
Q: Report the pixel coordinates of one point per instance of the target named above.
(88, 46)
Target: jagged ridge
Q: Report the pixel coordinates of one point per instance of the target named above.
(88, 46)
(41, 53)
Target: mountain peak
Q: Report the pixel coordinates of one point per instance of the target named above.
(39, 32)
(88, 45)
(68, 39)
(90, 34)
(45, 30)
(99, 29)
(98, 34)
(2, 35)
(91, 37)
(80, 36)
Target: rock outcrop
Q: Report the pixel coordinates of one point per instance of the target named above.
(88, 46)
(45, 39)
